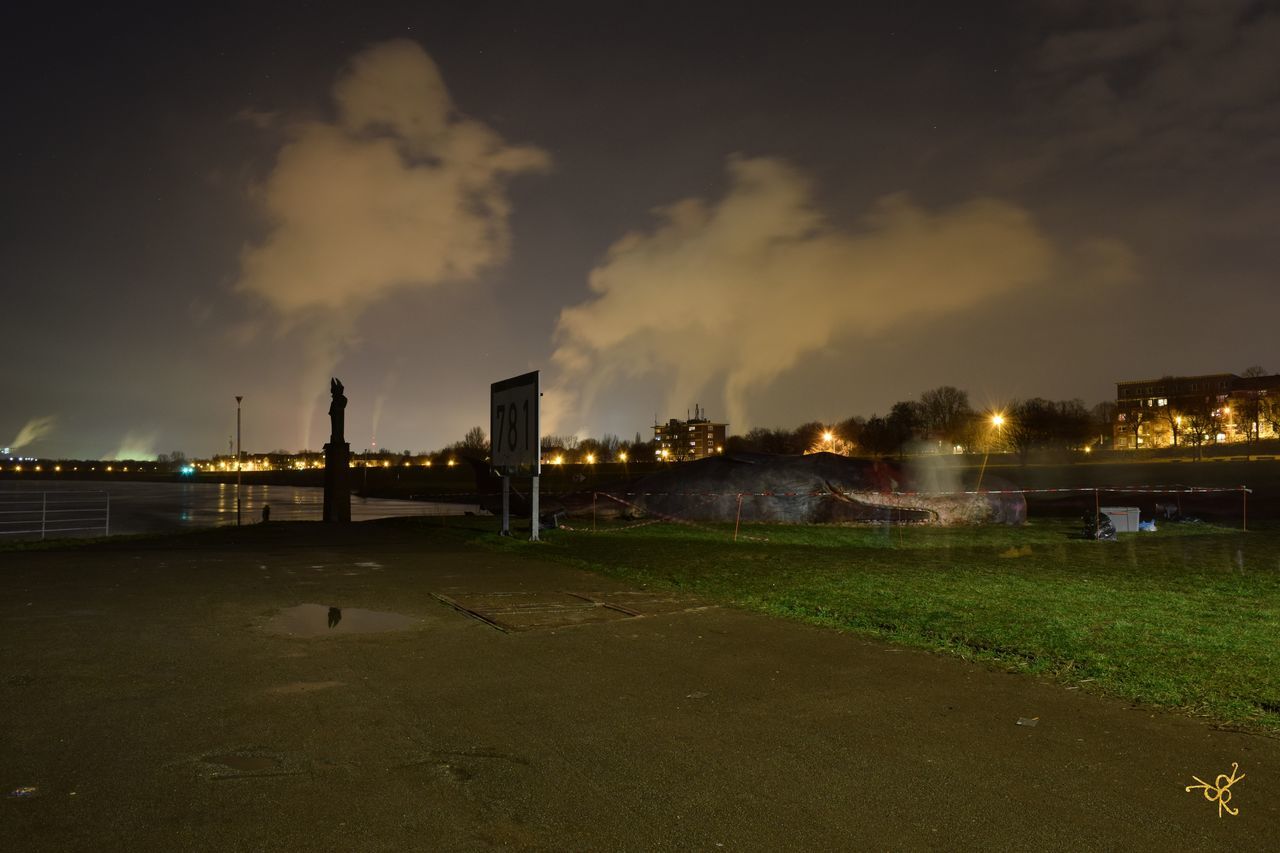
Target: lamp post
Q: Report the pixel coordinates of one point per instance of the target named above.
(997, 421)
(238, 399)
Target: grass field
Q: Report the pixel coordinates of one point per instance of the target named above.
(1185, 618)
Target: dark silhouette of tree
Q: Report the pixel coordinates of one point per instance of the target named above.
(945, 413)
(1039, 424)
(878, 438)
(807, 438)
(850, 430)
(764, 440)
(1171, 413)
(905, 423)
(590, 447)
(475, 444)
(1028, 425)
(1250, 402)
(1104, 422)
(1201, 423)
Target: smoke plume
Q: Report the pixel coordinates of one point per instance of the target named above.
(32, 431)
(139, 446)
(737, 291)
(399, 190)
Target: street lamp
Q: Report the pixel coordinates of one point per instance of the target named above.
(238, 399)
(997, 421)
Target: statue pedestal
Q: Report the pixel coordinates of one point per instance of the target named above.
(337, 495)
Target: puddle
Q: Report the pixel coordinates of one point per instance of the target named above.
(315, 620)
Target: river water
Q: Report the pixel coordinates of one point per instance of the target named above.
(169, 507)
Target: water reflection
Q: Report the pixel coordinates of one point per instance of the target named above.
(160, 507)
(315, 620)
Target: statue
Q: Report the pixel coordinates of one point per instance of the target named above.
(337, 459)
(337, 412)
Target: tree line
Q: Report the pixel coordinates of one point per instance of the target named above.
(940, 420)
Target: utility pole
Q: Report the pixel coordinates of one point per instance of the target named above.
(238, 451)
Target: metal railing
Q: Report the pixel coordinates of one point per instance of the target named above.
(54, 513)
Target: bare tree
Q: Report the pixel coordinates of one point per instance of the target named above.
(1200, 422)
(905, 421)
(945, 413)
(1170, 413)
(1104, 421)
(475, 442)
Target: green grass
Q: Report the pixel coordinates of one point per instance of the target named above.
(1186, 618)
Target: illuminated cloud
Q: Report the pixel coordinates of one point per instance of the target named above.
(32, 431)
(732, 293)
(398, 191)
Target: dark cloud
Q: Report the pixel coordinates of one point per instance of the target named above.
(1160, 84)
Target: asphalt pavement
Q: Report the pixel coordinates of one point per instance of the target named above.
(167, 695)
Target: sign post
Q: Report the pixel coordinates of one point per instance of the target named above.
(514, 440)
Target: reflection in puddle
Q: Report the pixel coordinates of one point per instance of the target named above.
(314, 620)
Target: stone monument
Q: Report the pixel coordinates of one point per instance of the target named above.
(337, 453)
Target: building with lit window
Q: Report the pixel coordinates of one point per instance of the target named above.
(1160, 412)
(684, 441)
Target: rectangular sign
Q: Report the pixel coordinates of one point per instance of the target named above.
(513, 423)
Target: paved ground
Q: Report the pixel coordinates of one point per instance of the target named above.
(145, 700)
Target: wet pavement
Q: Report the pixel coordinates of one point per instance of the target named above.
(318, 620)
(147, 707)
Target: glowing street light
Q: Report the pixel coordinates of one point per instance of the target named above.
(591, 459)
(997, 421)
(622, 457)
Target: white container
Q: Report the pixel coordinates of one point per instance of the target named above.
(1123, 518)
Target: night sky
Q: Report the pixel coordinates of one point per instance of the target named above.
(779, 211)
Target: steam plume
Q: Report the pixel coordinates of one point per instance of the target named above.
(32, 431)
(399, 190)
(738, 290)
